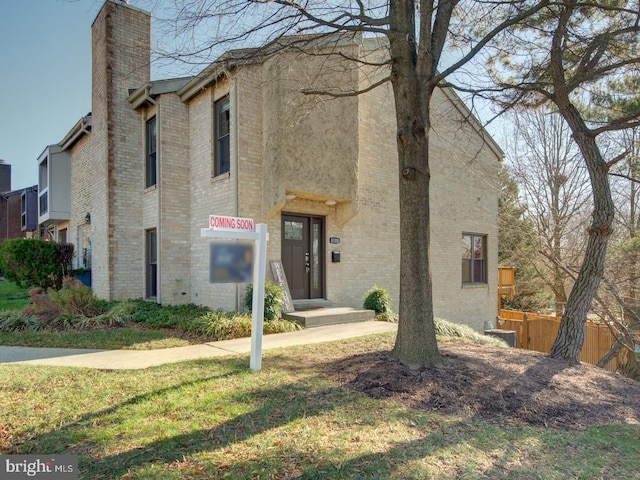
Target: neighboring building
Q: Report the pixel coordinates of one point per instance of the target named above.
(54, 188)
(156, 158)
(18, 208)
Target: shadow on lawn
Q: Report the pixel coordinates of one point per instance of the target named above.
(278, 406)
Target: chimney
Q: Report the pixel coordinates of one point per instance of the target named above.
(5, 176)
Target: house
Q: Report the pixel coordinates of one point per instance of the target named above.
(155, 158)
(18, 208)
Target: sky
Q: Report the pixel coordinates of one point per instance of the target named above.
(45, 76)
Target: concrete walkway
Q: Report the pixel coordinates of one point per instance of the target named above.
(139, 359)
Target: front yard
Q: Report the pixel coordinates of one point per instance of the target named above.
(307, 414)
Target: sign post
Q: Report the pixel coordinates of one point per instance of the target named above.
(242, 229)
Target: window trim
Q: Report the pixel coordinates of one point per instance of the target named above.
(151, 156)
(473, 261)
(217, 167)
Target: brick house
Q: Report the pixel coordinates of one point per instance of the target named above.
(155, 158)
(18, 208)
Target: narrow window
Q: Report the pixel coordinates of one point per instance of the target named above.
(151, 167)
(23, 211)
(43, 176)
(222, 163)
(474, 258)
(152, 264)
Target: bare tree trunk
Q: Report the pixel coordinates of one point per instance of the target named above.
(570, 339)
(416, 344)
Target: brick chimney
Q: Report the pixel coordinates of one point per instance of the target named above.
(5, 176)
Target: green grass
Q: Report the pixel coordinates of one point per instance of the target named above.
(215, 419)
(12, 297)
(109, 339)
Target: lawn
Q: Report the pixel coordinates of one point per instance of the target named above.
(12, 297)
(216, 419)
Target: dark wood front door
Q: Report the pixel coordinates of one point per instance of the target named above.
(303, 255)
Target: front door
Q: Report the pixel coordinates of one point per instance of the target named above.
(303, 255)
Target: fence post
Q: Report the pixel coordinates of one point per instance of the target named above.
(525, 331)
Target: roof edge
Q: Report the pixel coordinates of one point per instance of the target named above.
(79, 130)
(455, 99)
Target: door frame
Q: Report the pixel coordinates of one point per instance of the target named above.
(320, 220)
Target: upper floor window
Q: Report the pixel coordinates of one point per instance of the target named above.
(151, 166)
(222, 162)
(474, 258)
(43, 178)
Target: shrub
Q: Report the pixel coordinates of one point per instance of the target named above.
(272, 300)
(280, 326)
(379, 300)
(13, 321)
(41, 307)
(446, 328)
(154, 315)
(225, 326)
(219, 325)
(35, 262)
(75, 298)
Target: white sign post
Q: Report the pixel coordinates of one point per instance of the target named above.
(242, 229)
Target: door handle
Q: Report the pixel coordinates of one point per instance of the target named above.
(307, 267)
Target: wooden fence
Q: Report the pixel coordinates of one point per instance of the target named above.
(538, 332)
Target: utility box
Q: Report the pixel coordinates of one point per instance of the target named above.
(508, 336)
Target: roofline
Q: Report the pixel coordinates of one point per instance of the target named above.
(140, 96)
(19, 191)
(473, 120)
(220, 67)
(232, 59)
(79, 130)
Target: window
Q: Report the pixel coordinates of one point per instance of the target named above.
(474, 258)
(222, 163)
(43, 176)
(23, 211)
(151, 167)
(83, 248)
(44, 203)
(152, 264)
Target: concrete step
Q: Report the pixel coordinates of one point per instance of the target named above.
(329, 316)
(311, 304)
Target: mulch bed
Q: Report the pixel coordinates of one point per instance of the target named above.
(498, 385)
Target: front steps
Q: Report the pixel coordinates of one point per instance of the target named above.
(317, 317)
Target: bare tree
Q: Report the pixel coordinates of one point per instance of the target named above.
(624, 264)
(567, 55)
(555, 187)
(417, 34)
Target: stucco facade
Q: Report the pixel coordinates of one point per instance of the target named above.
(295, 159)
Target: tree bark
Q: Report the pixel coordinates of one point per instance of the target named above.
(416, 344)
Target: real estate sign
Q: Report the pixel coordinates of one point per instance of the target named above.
(235, 228)
(231, 224)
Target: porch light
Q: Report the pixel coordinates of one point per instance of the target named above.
(330, 203)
